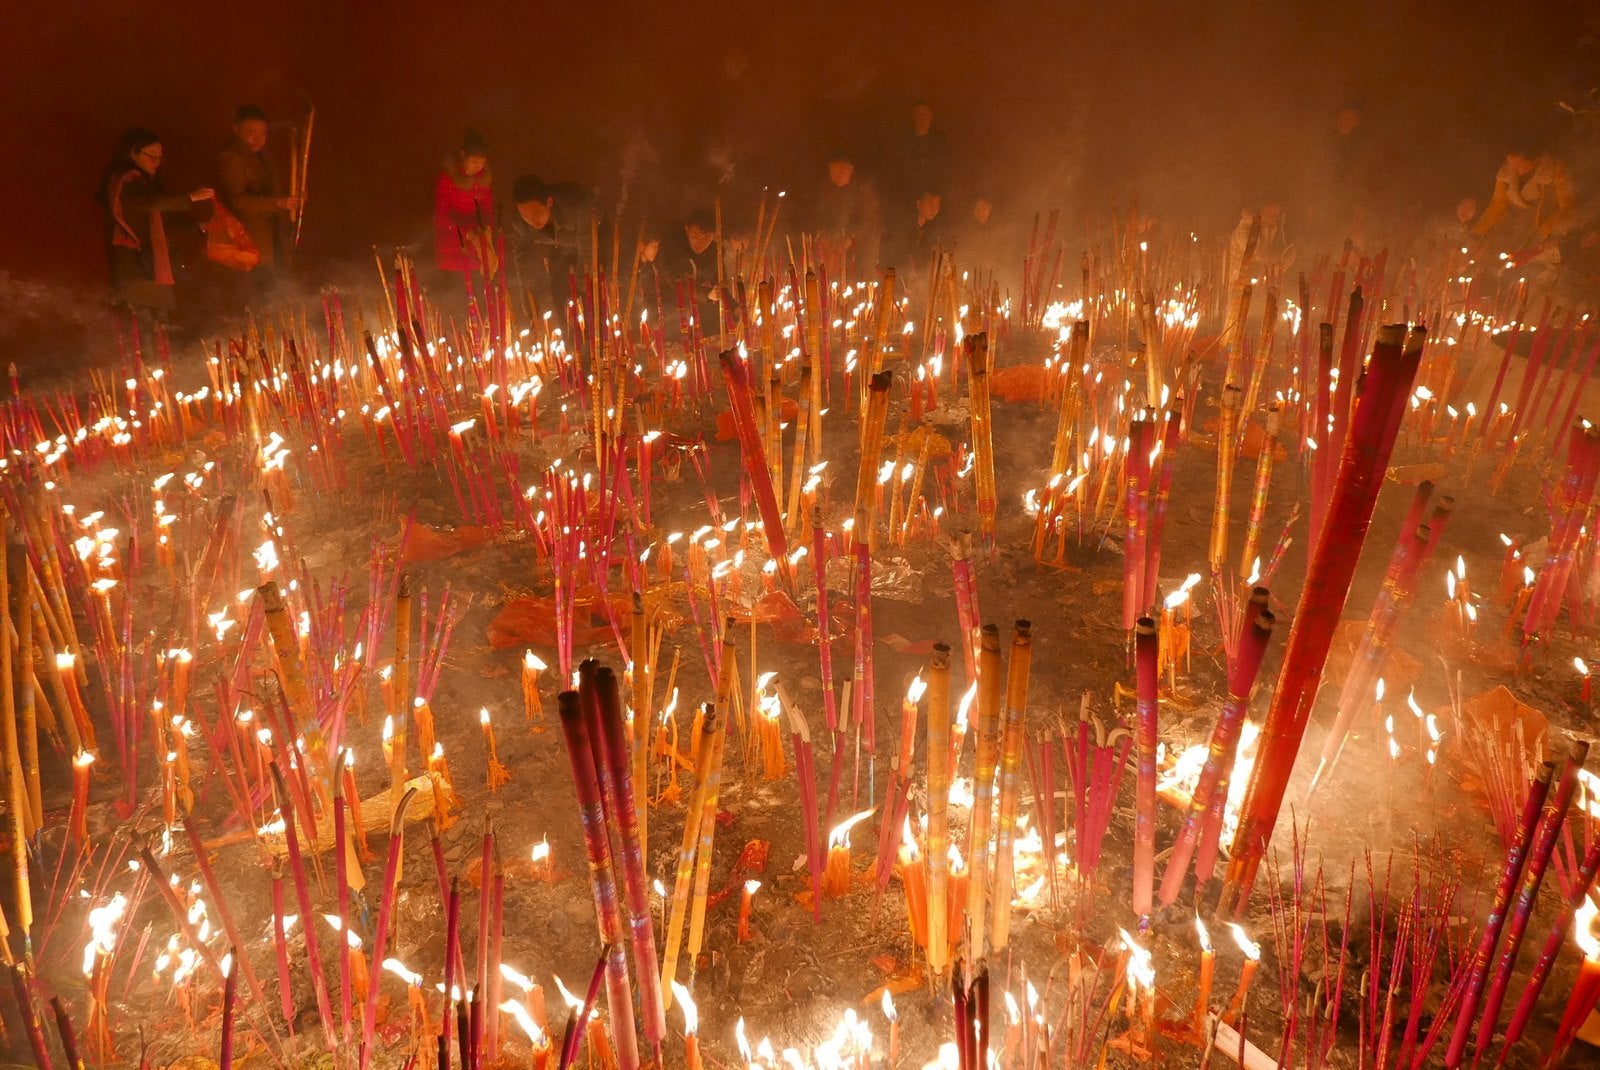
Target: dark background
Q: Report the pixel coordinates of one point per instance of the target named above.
(1196, 108)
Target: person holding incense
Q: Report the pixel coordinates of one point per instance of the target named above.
(541, 245)
(135, 204)
(848, 219)
(692, 260)
(248, 185)
(463, 209)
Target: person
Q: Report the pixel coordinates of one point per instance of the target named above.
(135, 204)
(693, 261)
(922, 156)
(920, 233)
(848, 219)
(1346, 190)
(1538, 185)
(980, 244)
(248, 185)
(463, 209)
(540, 243)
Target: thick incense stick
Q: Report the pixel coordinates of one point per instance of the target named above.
(1375, 426)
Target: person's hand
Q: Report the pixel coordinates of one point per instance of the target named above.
(204, 193)
(289, 204)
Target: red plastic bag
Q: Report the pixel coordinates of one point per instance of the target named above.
(226, 241)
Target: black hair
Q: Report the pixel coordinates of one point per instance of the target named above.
(701, 219)
(249, 113)
(473, 144)
(121, 160)
(842, 155)
(529, 188)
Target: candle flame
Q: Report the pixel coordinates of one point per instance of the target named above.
(1141, 968)
(691, 1013)
(525, 1020)
(840, 836)
(1205, 936)
(1251, 949)
(888, 1006)
(1583, 929)
(915, 692)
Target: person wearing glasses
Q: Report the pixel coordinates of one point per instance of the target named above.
(135, 204)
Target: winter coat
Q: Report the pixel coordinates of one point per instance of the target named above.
(247, 185)
(463, 212)
(136, 238)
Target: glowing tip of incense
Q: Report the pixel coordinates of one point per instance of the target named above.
(1251, 949)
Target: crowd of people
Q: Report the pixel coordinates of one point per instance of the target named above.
(542, 234)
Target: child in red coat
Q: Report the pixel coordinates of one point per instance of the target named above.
(463, 209)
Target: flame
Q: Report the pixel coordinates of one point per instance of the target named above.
(1251, 949)
(1577, 663)
(1205, 936)
(402, 971)
(516, 977)
(525, 1020)
(483, 716)
(541, 850)
(915, 692)
(840, 836)
(103, 930)
(570, 1000)
(888, 1006)
(1141, 968)
(1583, 929)
(691, 1013)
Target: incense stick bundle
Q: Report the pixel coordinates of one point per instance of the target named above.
(1146, 655)
(1211, 790)
(983, 792)
(596, 839)
(1552, 817)
(712, 727)
(1516, 858)
(736, 374)
(1399, 585)
(938, 856)
(1014, 740)
(1227, 450)
(975, 348)
(1375, 426)
(624, 810)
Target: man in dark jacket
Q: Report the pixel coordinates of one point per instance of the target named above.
(848, 220)
(248, 186)
(921, 157)
(541, 243)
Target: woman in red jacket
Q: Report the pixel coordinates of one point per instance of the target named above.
(463, 209)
